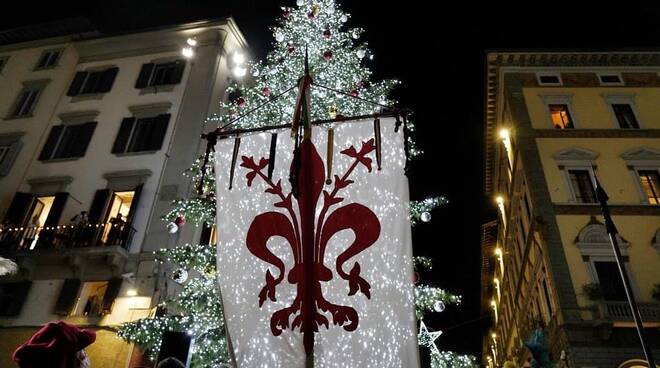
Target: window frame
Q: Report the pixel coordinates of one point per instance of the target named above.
(66, 127)
(621, 82)
(19, 98)
(4, 59)
(559, 99)
(55, 63)
(559, 82)
(14, 143)
(638, 181)
(567, 177)
(622, 99)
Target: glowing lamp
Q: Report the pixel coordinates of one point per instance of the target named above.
(504, 133)
(187, 52)
(239, 71)
(238, 58)
(131, 292)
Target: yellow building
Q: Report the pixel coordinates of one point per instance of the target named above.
(554, 123)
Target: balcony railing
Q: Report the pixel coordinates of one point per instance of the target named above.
(620, 311)
(66, 236)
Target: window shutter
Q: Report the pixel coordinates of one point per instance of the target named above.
(108, 79)
(68, 297)
(158, 130)
(145, 75)
(111, 294)
(56, 209)
(19, 209)
(205, 237)
(99, 208)
(51, 143)
(83, 137)
(176, 75)
(134, 204)
(76, 84)
(122, 136)
(17, 296)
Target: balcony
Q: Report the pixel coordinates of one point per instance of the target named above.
(65, 237)
(620, 312)
(91, 250)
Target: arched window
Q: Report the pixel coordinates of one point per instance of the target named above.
(634, 363)
(596, 249)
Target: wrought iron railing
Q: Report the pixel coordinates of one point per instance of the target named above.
(620, 311)
(66, 236)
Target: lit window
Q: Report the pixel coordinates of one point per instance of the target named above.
(582, 186)
(120, 207)
(90, 302)
(625, 116)
(650, 180)
(561, 117)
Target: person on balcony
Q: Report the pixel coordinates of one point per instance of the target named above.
(116, 229)
(80, 223)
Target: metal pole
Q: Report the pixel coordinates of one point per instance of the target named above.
(613, 232)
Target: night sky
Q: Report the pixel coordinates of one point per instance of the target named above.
(438, 54)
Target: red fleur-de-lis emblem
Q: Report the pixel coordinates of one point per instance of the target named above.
(308, 235)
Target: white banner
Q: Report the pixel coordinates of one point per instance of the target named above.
(328, 269)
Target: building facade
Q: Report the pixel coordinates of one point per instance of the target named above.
(96, 131)
(554, 123)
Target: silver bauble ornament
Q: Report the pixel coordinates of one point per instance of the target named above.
(361, 53)
(279, 36)
(180, 275)
(330, 9)
(172, 228)
(300, 2)
(439, 306)
(426, 216)
(344, 18)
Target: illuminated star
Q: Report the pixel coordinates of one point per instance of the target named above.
(427, 338)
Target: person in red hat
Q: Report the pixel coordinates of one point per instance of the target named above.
(55, 345)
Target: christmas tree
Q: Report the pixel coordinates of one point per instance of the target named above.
(342, 87)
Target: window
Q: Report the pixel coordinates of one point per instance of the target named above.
(625, 116)
(26, 101)
(49, 59)
(610, 281)
(91, 82)
(582, 185)
(560, 116)
(610, 79)
(90, 302)
(549, 79)
(12, 297)
(10, 146)
(141, 134)
(650, 182)
(120, 207)
(67, 141)
(160, 74)
(3, 62)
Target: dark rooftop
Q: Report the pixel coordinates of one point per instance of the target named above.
(65, 27)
